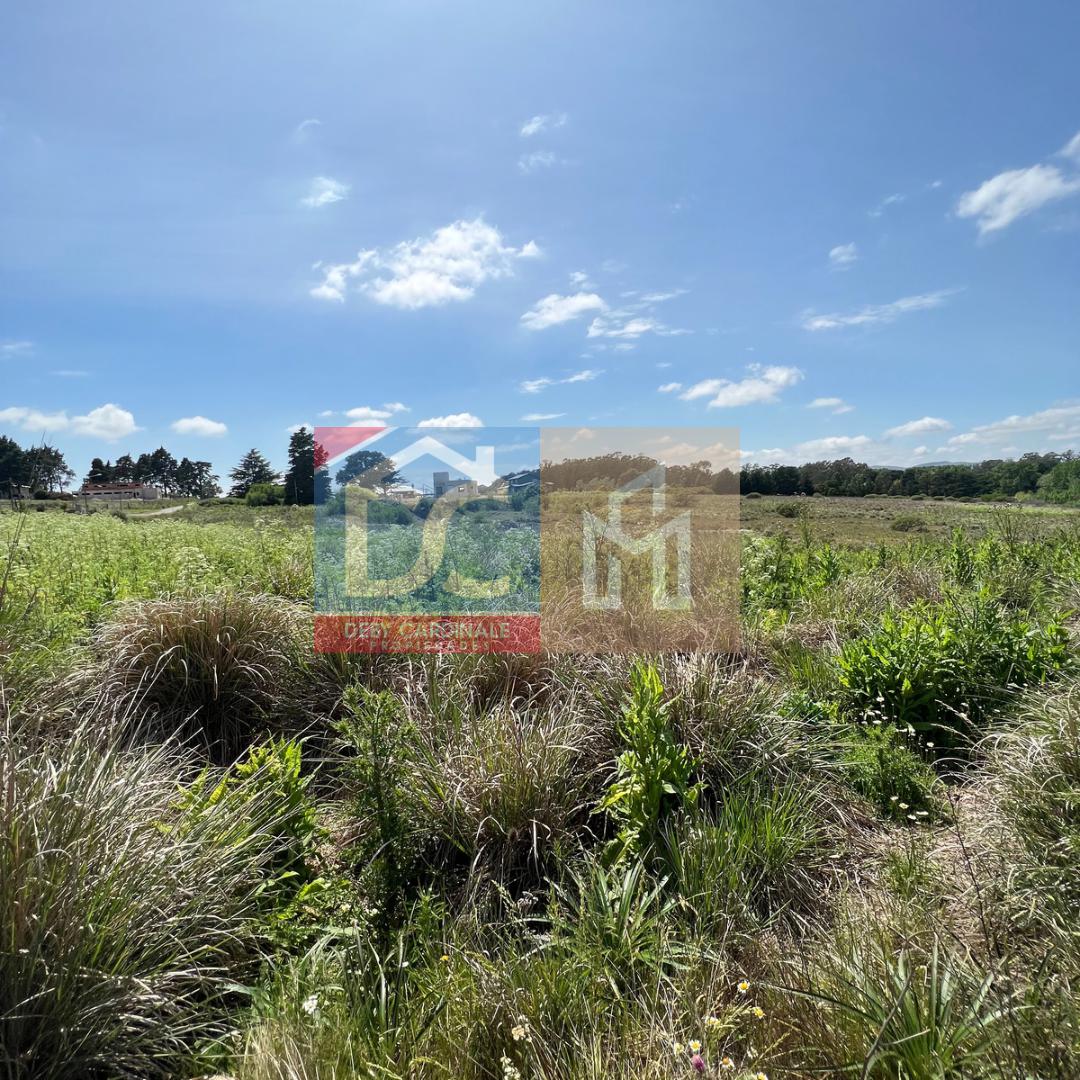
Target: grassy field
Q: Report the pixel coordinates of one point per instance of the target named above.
(847, 846)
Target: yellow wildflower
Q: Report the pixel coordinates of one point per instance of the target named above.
(759, 1012)
(695, 1046)
(744, 987)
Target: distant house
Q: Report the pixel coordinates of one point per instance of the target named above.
(118, 491)
(444, 485)
(405, 494)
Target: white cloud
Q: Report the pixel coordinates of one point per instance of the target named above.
(669, 387)
(367, 412)
(762, 386)
(837, 406)
(1055, 424)
(106, 422)
(324, 191)
(70, 373)
(15, 348)
(306, 128)
(622, 324)
(580, 280)
(1072, 148)
(538, 159)
(544, 122)
(554, 309)
(199, 425)
(874, 314)
(999, 201)
(537, 417)
(447, 266)
(292, 429)
(918, 427)
(834, 444)
(534, 386)
(396, 406)
(889, 200)
(454, 420)
(920, 451)
(843, 255)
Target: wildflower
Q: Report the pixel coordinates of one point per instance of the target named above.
(311, 1004)
(922, 813)
(444, 959)
(744, 987)
(894, 798)
(727, 1064)
(904, 806)
(698, 1063)
(761, 1076)
(677, 1047)
(695, 1046)
(509, 1069)
(713, 1022)
(759, 1012)
(521, 1030)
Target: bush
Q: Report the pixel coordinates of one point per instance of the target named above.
(908, 523)
(122, 930)
(265, 495)
(216, 666)
(788, 510)
(752, 495)
(946, 668)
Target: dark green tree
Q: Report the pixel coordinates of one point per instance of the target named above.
(300, 475)
(370, 468)
(252, 469)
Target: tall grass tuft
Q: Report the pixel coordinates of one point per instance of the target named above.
(121, 930)
(216, 665)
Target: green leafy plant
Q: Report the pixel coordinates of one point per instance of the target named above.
(654, 774)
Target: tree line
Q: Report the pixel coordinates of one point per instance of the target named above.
(1049, 476)
(43, 471)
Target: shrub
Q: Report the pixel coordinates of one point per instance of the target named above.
(908, 523)
(944, 668)
(122, 933)
(215, 666)
(265, 495)
(788, 510)
(752, 495)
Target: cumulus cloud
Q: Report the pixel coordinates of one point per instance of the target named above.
(834, 444)
(1004, 198)
(669, 387)
(108, 422)
(762, 386)
(837, 406)
(325, 190)
(1072, 148)
(554, 309)
(843, 255)
(453, 420)
(446, 266)
(622, 324)
(874, 314)
(918, 427)
(199, 425)
(541, 123)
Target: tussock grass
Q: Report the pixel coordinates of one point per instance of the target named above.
(120, 932)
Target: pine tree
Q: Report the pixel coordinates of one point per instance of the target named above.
(300, 476)
(253, 469)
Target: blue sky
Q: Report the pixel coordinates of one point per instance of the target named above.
(847, 229)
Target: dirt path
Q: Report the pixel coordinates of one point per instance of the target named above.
(159, 513)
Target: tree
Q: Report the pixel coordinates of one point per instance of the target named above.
(101, 472)
(253, 469)
(371, 469)
(47, 470)
(13, 470)
(194, 478)
(300, 475)
(1062, 483)
(163, 470)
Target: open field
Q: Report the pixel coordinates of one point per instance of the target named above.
(849, 846)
